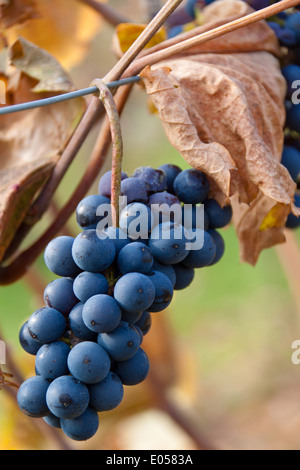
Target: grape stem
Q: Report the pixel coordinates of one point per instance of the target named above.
(92, 114)
(128, 65)
(185, 41)
(21, 264)
(109, 104)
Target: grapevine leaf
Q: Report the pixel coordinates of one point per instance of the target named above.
(224, 112)
(127, 33)
(31, 142)
(15, 12)
(40, 65)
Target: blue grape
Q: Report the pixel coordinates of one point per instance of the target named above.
(92, 253)
(191, 6)
(46, 325)
(88, 362)
(136, 221)
(31, 397)
(293, 22)
(163, 291)
(144, 323)
(134, 190)
(291, 73)
(122, 343)
(175, 31)
(87, 284)
(293, 221)
(293, 117)
(83, 427)
(203, 256)
(184, 276)
(131, 317)
(218, 216)
(51, 360)
(59, 295)
(194, 217)
(67, 397)
(155, 180)
(165, 207)
(101, 313)
(166, 269)
(259, 4)
(191, 186)
(171, 171)
(52, 421)
(118, 237)
(86, 212)
(168, 243)
(104, 187)
(220, 245)
(291, 160)
(107, 394)
(133, 371)
(163, 198)
(135, 257)
(140, 334)
(30, 345)
(58, 257)
(134, 292)
(286, 36)
(77, 325)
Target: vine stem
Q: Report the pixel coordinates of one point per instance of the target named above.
(21, 264)
(95, 107)
(168, 49)
(143, 39)
(112, 113)
(93, 112)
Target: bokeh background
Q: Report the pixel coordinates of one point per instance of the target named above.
(221, 353)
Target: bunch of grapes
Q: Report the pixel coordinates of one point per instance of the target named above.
(286, 26)
(88, 338)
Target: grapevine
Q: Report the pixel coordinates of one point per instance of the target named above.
(140, 239)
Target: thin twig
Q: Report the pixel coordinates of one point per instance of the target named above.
(95, 107)
(117, 143)
(20, 265)
(165, 53)
(112, 16)
(142, 40)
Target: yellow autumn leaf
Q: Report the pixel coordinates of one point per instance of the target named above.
(273, 218)
(127, 33)
(64, 28)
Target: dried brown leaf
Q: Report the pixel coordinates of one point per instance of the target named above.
(31, 142)
(15, 12)
(224, 112)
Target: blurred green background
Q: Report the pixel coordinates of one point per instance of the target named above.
(232, 329)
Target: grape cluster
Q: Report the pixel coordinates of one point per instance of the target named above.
(88, 337)
(286, 26)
